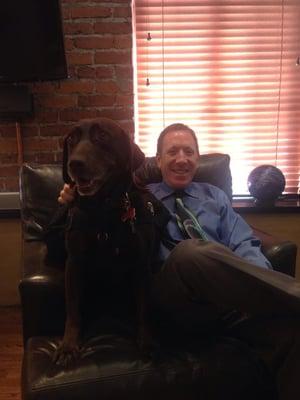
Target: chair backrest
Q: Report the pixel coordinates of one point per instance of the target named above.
(40, 186)
(213, 168)
(39, 189)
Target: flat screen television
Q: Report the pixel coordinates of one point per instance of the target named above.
(31, 41)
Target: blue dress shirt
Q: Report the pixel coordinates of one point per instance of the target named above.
(216, 216)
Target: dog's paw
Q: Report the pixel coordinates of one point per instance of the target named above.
(66, 354)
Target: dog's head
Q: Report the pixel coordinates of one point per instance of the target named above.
(97, 152)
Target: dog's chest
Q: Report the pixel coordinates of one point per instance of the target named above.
(105, 233)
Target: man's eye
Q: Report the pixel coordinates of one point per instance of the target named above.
(189, 152)
(172, 152)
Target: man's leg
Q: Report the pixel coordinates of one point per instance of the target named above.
(200, 282)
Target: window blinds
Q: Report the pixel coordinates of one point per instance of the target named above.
(228, 69)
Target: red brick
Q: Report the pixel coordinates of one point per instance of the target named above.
(125, 85)
(90, 12)
(86, 72)
(107, 87)
(119, 12)
(73, 1)
(43, 87)
(8, 130)
(11, 184)
(78, 28)
(109, 1)
(72, 71)
(96, 100)
(77, 86)
(41, 158)
(124, 99)
(29, 131)
(113, 57)
(104, 72)
(69, 44)
(73, 114)
(115, 114)
(128, 126)
(96, 1)
(77, 58)
(46, 116)
(123, 72)
(94, 42)
(55, 130)
(38, 144)
(9, 170)
(8, 145)
(113, 27)
(66, 13)
(58, 101)
(10, 158)
(58, 157)
(123, 42)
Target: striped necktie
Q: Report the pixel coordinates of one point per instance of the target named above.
(187, 222)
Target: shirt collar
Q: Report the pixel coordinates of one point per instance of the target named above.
(163, 190)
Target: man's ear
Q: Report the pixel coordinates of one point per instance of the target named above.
(158, 160)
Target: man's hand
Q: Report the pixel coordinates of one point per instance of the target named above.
(67, 194)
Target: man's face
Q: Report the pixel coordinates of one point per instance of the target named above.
(179, 159)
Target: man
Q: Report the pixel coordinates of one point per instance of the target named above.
(220, 280)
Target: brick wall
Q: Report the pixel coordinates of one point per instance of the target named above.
(98, 41)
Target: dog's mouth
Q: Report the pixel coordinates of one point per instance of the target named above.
(88, 187)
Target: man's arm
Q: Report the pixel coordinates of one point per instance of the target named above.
(239, 237)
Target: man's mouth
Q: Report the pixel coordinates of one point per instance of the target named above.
(180, 171)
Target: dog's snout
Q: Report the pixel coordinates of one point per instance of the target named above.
(76, 166)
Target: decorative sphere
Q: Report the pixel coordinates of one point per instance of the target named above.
(266, 183)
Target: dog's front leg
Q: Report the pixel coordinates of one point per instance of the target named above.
(68, 350)
(145, 340)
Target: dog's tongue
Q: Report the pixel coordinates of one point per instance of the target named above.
(84, 184)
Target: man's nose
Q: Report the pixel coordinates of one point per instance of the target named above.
(181, 157)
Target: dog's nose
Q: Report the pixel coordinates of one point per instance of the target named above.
(76, 165)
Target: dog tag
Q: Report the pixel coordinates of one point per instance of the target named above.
(102, 236)
(150, 207)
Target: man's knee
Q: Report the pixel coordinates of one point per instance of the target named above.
(192, 254)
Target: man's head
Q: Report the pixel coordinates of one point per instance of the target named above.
(177, 155)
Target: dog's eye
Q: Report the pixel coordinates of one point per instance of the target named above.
(98, 136)
(74, 138)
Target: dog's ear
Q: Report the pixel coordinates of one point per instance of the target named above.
(65, 159)
(65, 174)
(138, 157)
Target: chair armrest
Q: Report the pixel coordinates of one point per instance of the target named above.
(281, 253)
(42, 293)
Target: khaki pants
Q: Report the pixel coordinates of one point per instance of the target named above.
(203, 287)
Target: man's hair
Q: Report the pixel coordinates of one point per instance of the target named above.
(174, 128)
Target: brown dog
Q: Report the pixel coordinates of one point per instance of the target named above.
(110, 233)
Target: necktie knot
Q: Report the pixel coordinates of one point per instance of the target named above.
(179, 194)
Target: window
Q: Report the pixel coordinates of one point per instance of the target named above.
(228, 69)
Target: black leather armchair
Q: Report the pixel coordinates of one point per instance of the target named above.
(110, 366)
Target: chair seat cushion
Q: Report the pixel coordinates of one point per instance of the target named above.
(111, 367)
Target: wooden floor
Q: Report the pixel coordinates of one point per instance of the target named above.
(11, 350)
